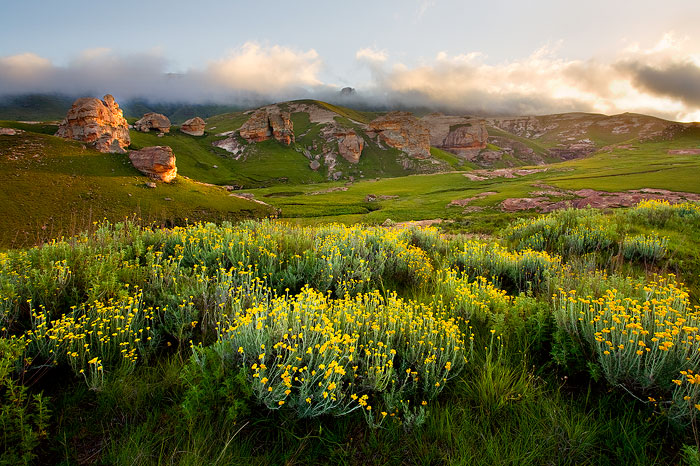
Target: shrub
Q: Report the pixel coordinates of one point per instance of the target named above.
(640, 340)
(94, 336)
(526, 270)
(644, 248)
(23, 417)
(318, 355)
(567, 232)
(659, 212)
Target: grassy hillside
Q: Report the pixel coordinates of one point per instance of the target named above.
(427, 196)
(53, 187)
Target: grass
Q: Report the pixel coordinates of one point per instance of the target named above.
(53, 187)
(427, 196)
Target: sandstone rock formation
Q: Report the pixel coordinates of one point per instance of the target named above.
(458, 135)
(350, 145)
(97, 122)
(404, 132)
(193, 127)
(157, 162)
(155, 121)
(268, 122)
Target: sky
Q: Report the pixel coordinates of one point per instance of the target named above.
(497, 57)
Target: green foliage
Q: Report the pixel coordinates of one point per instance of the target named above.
(24, 417)
(213, 344)
(644, 248)
(216, 390)
(567, 232)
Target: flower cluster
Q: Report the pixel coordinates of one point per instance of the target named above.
(321, 355)
(639, 340)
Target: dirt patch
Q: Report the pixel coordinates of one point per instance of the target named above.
(421, 223)
(466, 201)
(329, 190)
(684, 152)
(381, 197)
(596, 199)
(481, 175)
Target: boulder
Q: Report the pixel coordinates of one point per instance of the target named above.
(404, 132)
(155, 121)
(157, 162)
(266, 123)
(314, 165)
(97, 122)
(455, 134)
(7, 131)
(193, 127)
(350, 145)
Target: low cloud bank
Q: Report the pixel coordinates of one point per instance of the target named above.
(663, 80)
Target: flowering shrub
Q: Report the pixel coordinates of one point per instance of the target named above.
(523, 270)
(644, 248)
(319, 355)
(641, 340)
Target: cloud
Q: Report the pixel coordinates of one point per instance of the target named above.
(660, 79)
(255, 68)
(371, 55)
(423, 7)
(663, 79)
(679, 81)
(252, 72)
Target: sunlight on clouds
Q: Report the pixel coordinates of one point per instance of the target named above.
(253, 67)
(637, 80)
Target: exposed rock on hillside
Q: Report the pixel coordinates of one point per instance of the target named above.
(458, 135)
(155, 121)
(266, 123)
(547, 201)
(193, 127)
(349, 145)
(404, 132)
(157, 162)
(97, 122)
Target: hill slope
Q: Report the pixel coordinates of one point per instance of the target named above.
(53, 187)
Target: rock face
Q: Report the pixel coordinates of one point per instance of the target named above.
(266, 123)
(404, 132)
(97, 122)
(350, 145)
(193, 127)
(155, 121)
(455, 134)
(157, 162)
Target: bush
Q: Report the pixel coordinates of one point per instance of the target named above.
(644, 248)
(318, 355)
(641, 340)
(23, 417)
(526, 270)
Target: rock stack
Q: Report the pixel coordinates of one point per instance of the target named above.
(100, 123)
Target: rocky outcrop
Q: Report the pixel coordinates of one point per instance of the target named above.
(153, 121)
(193, 127)
(350, 145)
(157, 162)
(404, 132)
(455, 134)
(266, 123)
(97, 122)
